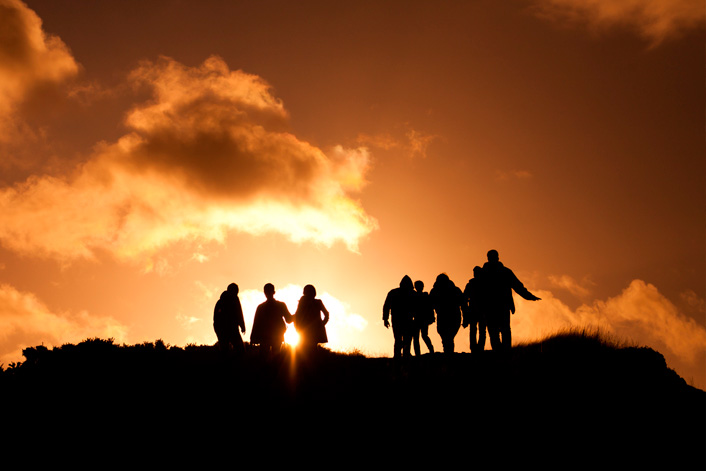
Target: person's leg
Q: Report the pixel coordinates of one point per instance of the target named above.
(447, 334)
(397, 332)
(505, 331)
(494, 332)
(472, 331)
(481, 334)
(407, 337)
(415, 339)
(238, 345)
(453, 330)
(425, 336)
(442, 330)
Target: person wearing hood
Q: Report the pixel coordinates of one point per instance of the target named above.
(399, 305)
(447, 299)
(499, 283)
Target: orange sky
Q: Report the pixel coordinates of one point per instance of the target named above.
(153, 152)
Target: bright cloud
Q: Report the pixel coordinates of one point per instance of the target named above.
(414, 143)
(25, 321)
(207, 155)
(343, 325)
(640, 314)
(656, 20)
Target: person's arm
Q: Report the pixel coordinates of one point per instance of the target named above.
(296, 316)
(386, 311)
(239, 314)
(325, 311)
(520, 289)
(288, 318)
(466, 305)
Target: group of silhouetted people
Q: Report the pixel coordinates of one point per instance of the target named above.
(485, 303)
(270, 321)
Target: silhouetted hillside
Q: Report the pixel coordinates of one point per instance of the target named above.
(570, 397)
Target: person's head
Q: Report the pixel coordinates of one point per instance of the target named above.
(442, 278)
(477, 272)
(269, 290)
(406, 283)
(493, 256)
(419, 285)
(233, 289)
(310, 291)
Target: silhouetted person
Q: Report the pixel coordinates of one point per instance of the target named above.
(269, 324)
(399, 304)
(423, 318)
(500, 281)
(474, 314)
(307, 320)
(227, 318)
(447, 300)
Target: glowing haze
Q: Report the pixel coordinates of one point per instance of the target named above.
(153, 152)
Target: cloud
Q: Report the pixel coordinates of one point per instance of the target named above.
(419, 142)
(655, 20)
(578, 289)
(25, 321)
(414, 143)
(501, 175)
(206, 155)
(639, 314)
(343, 325)
(693, 301)
(28, 58)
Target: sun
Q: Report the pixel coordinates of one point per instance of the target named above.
(291, 336)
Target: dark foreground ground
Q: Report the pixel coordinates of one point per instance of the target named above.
(570, 401)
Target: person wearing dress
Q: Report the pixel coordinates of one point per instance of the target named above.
(308, 320)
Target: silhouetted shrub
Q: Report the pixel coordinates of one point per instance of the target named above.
(571, 389)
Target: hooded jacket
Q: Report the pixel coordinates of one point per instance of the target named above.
(399, 302)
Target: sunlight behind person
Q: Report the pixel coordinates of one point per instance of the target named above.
(291, 336)
(342, 329)
(289, 295)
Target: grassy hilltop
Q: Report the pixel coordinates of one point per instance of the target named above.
(573, 394)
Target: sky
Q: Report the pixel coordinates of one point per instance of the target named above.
(151, 153)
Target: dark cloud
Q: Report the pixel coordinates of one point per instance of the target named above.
(655, 20)
(28, 57)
